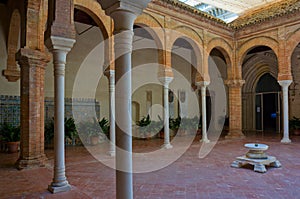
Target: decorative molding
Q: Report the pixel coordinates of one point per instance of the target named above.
(266, 13)
(256, 16)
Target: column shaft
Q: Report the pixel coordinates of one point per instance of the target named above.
(59, 47)
(285, 105)
(123, 47)
(112, 131)
(235, 109)
(204, 120)
(32, 63)
(166, 81)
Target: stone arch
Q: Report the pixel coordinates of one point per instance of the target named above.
(12, 73)
(226, 49)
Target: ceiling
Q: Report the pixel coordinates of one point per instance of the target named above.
(227, 10)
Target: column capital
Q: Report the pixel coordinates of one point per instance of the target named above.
(287, 76)
(285, 83)
(165, 72)
(59, 43)
(165, 76)
(165, 80)
(32, 57)
(111, 6)
(109, 73)
(235, 82)
(202, 83)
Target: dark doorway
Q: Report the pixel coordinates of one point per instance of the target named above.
(267, 104)
(270, 112)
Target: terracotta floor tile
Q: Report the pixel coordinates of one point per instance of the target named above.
(188, 177)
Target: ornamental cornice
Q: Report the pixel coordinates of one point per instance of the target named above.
(256, 16)
(188, 8)
(266, 13)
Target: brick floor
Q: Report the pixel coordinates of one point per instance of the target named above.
(187, 178)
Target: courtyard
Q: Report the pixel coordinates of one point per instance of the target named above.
(188, 177)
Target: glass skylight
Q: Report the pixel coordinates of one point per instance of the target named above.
(220, 13)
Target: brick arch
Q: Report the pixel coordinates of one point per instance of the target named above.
(255, 68)
(258, 41)
(226, 49)
(198, 72)
(148, 20)
(194, 39)
(16, 5)
(12, 73)
(290, 46)
(94, 10)
(153, 27)
(156, 34)
(188, 33)
(34, 25)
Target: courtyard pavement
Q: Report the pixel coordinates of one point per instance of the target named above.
(189, 177)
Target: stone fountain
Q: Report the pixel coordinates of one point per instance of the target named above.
(257, 157)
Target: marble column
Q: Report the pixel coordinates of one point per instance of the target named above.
(203, 86)
(59, 47)
(110, 74)
(285, 108)
(123, 12)
(166, 81)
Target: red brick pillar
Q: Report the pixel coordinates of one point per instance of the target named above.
(235, 109)
(32, 63)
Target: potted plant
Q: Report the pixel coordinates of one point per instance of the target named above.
(155, 128)
(104, 125)
(49, 133)
(70, 130)
(143, 126)
(188, 126)
(90, 132)
(11, 135)
(294, 124)
(174, 124)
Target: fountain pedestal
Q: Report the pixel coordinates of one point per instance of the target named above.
(257, 157)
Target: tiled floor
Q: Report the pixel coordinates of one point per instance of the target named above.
(188, 177)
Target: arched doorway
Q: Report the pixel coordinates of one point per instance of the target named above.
(267, 104)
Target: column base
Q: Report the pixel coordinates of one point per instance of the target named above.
(31, 162)
(111, 153)
(205, 140)
(58, 189)
(235, 134)
(285, 140)
(167, 146)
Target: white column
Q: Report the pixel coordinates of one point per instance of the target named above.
(166, 81)
(285, 103)
(123, 12)
(111, 77)
(123, 48)
(203, 86)
(59, 47)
